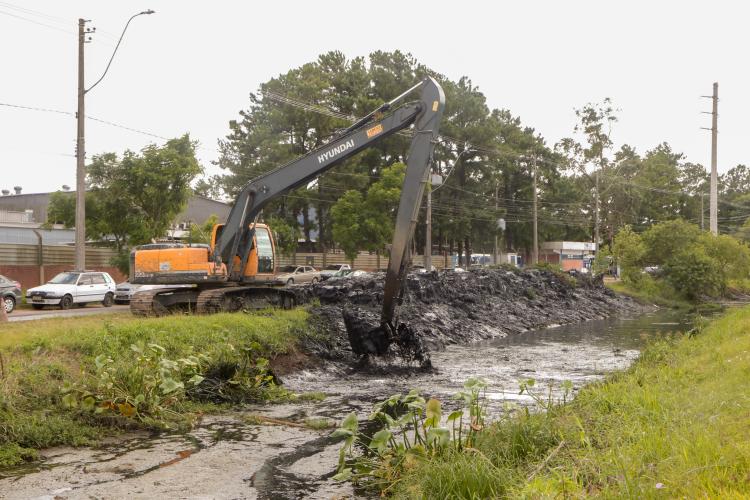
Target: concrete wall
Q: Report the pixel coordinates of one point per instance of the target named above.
(32, 267)
(364, 261)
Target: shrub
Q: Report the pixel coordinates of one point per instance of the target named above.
(694, 274)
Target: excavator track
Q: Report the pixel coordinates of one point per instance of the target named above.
(237, 298)
(143, 303)
(210, 300)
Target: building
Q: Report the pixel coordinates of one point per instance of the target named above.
(20, 214)
(568, 254)
(32, 253)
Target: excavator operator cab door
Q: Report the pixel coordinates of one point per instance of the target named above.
(261, 263)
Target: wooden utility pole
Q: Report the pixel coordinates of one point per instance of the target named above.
(494, 248)
(596, 211)
(428, 228)
(713, 196)
(535, 249)
(80, 221)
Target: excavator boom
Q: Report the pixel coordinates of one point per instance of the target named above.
(233, 244)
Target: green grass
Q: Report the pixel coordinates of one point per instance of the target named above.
(659, 294)
(675, 425)
(39, 358)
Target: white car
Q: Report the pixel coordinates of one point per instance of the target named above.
(73, 287)
(333, 270)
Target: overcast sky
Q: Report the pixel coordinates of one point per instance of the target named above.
(190, 67)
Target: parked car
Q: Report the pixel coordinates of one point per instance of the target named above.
(10, 291)
(125, 290)
(332, 269)
(74, 287)
(348, 273)
(419, 269)
(292, 275)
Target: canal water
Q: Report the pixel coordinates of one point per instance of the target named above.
(232, 456)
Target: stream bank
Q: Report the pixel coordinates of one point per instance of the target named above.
(234, 456)
(450, 308)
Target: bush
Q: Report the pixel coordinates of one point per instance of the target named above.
(694, 274)
(694, 263)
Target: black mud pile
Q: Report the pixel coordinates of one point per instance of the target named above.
(448, 308)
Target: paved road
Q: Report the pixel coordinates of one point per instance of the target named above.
(52, 312)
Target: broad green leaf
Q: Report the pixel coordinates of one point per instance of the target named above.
(169, 385)
(344, 475)
(70, 401)
(88, 403)
(380, 440)
(438, 437)
(341, 433)
(454, 415)
(196, 379)
(350, 422)
(432, 410)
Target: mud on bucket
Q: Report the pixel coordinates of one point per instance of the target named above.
(367, 336)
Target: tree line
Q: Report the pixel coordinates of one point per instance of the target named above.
(486, 157)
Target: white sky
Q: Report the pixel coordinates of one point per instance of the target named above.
(190, 67)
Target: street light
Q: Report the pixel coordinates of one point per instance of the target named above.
(80, 223)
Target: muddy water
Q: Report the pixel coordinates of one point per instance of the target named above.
(228, 456)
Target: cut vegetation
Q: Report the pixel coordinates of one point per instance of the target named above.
(71, 381)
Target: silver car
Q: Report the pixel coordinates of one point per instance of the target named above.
(292, 275)
(126, 290)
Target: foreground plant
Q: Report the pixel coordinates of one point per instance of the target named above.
(410, 430)
(151, 387)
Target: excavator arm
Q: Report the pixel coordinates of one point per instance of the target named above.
(237, 235)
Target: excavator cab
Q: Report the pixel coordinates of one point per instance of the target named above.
(261, 261)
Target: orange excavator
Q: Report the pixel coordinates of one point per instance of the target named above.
(237, 269)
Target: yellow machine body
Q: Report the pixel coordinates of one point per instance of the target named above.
(176, 264)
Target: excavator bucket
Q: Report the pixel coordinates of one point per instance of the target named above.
(368, 338)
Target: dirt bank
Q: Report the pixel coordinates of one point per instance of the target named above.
(458, 308)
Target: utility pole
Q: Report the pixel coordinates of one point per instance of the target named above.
(494, 249)
(713, 197)
(596, 211)
(80, 253)
(428, 228)
(535, 249)
(80, 222)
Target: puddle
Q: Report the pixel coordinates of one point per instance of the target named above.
(230, 456)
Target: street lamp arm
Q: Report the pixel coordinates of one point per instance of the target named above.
(117, 47)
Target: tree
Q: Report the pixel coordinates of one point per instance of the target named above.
(139, 195)
(286, 235)
(629, 250)
(347, 216)
(667, 239)
(62, 209)
(209, 187)
(201, 233)
(366, 222)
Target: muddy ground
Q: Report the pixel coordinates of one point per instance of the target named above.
(459, 308)
(236, 455)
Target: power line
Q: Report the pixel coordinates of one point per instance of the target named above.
(56, 28)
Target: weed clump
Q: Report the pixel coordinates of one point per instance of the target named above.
(72, 384)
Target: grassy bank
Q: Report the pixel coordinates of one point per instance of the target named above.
(676, 424)
(71, 381)
(662, 296)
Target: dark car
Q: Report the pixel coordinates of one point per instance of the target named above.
(11, 293)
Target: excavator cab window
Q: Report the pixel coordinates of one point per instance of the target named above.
(265, 250)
